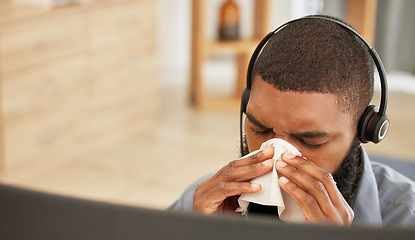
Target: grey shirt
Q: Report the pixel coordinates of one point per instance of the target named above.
(384, 196)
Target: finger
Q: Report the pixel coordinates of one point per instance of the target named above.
(321, 186)
(320, 177)
(245, 172)
(230, 173)
(246, 168)
(211, 200)
(308, 190)
(308, 166)
(303, 179)
(257, 157)
(307, 203)
(252, 171)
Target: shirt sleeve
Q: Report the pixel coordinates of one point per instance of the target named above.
(185, 202)
(396, 196)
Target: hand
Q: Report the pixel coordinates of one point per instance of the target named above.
(220, 193)
(314, 190)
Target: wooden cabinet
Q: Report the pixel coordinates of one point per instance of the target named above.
(24, 43)
(123, 68)
(74, 79)
(129, 25)
(42, 112)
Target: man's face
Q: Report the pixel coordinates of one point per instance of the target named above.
(312, 122)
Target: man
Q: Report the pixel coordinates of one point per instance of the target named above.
(310, 86)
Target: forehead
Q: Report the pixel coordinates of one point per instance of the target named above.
(296, 111)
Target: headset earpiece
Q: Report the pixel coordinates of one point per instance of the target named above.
(372, 125)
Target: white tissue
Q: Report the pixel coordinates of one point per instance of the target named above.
(271, 194)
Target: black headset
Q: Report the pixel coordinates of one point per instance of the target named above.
(373, 124)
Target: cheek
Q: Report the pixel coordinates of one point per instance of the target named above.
(328, 157)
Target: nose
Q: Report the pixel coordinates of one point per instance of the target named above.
(286, 137)
(281, 135)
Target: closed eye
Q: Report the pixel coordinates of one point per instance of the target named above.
(310, 145)
(313, 139)
(260, 132)
(257, 127)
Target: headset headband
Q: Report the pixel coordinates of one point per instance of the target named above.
(373, 53)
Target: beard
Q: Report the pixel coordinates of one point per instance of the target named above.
(347, 176)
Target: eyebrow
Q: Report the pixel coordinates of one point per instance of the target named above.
(309, 134)
(316, 134)
(253, 120)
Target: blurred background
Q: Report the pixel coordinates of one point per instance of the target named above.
(129, 101)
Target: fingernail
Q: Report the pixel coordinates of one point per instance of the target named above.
(267, 150)
(256, 186)
(281, 163)
(288, 155)
(269, 162)
(283, 180)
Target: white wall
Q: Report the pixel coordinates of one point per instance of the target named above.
(174, 26)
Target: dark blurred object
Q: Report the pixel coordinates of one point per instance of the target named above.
(229, 21)
(33, 215)
(262, 210)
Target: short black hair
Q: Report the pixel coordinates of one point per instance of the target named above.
(319, 56)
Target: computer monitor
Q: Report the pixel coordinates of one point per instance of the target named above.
(26, 214)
